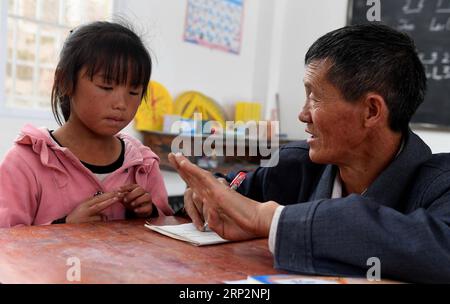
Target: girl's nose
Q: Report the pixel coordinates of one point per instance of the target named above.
(120, 101)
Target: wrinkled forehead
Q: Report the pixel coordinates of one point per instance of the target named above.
(317, 71)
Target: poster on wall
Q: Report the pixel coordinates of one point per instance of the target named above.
(215, 24)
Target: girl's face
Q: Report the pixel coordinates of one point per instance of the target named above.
(103, 106)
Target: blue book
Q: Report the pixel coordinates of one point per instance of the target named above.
(293, 279)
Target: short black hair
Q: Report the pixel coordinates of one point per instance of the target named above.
(111, 47)
(374, 58)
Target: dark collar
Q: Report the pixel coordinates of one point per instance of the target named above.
(324, 187)
(390, 185)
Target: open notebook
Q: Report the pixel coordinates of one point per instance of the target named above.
(188, 233)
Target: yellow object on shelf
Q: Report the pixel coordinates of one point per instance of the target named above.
(150, 114)
(247, 111)
(192, 102)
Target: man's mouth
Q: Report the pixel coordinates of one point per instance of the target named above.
(310, 133)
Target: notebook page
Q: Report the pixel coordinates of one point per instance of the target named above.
(188, 233)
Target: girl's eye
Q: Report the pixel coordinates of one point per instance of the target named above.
(134, 93)
(105, 88)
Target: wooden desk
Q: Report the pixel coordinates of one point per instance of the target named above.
(125, 252)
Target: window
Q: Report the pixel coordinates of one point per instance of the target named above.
(31, 34)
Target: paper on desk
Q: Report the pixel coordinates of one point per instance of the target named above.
(188, 233)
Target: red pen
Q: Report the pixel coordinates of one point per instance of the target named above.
(237, 180)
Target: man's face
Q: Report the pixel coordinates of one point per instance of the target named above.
(335, 125)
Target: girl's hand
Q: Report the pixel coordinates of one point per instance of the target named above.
(89, 211)
(135, 198)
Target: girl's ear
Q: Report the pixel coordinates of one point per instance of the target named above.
(66, 84)
(376, 111)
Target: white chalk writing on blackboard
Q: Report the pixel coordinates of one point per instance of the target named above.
(437, 66)
(443, 7)
(438, 23)
(436, 26)
(432, 60)
(405, 25)
(413, 8)
(446, 59)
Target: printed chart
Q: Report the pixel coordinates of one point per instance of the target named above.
(215, 24)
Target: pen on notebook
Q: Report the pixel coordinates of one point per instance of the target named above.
(235, 183)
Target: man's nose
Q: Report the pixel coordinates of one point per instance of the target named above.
(305, 114)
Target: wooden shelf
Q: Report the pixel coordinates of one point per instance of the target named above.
(161, 143)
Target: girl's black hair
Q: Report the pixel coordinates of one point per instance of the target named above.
(107, 47)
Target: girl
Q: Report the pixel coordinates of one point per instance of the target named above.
(85, 171)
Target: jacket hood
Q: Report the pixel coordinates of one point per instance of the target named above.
(41, 142)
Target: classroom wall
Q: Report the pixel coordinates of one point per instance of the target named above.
(182, 66)
(277, 34)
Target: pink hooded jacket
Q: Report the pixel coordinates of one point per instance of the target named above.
(41, 181)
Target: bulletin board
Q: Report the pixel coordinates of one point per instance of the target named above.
(215, 24)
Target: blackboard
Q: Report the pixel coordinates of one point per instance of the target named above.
(428, 23)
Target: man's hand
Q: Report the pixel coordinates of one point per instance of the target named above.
(194, 207)
(90, 210)
(230, 214)
(230, 229)
(135, 198)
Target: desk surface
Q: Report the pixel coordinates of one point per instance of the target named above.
(125, 252)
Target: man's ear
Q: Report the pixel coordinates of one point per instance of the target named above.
(376, 111)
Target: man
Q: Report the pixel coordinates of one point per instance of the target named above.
(362, 185)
